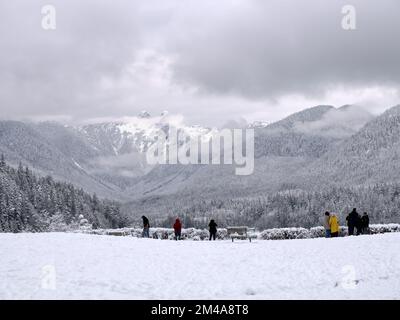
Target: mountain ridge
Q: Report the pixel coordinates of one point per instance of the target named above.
(108, 157)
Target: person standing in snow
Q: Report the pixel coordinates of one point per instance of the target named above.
(334, 225)
(352, 219)
(359, 225)
(177, 229)
(327, 225)
(213, 229)
(146, 227)
(365, 223)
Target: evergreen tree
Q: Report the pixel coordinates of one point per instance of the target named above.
(2, 162)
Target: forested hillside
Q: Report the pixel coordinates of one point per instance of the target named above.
(321, 158)
(32, 203)
(289, 208)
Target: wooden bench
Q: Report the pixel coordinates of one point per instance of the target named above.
(120, 233)
(241, 233)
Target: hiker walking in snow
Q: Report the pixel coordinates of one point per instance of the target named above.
(177, 229)
(352, 219)
(365, 223)
(334, 225)
(213, 229)
(146, 227)
(327, 225)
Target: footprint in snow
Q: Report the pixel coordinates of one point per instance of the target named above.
(347, 283)
(250, 292)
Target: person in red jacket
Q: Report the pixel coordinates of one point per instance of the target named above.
(177, 229)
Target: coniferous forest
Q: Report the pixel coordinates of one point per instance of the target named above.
(33, 204)
(289, 208)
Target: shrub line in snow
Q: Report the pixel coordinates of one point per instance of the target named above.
(222, 234)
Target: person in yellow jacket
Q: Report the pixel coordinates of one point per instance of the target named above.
(334, 224)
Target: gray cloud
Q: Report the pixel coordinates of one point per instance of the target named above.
(338, 123)
(205, 59)
(270, 48)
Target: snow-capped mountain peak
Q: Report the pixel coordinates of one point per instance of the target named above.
(136, 134)
(144, 114)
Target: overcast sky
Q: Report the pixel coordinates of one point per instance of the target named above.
(208, 60)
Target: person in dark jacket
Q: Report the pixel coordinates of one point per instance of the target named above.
(352, 219)
(365, 223)
(177, 229)
(359, 225)
(213, 229)
(146, 227)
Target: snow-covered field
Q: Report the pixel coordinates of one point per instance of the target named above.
(79, 266)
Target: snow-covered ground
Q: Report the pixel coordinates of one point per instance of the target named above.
(79, 266)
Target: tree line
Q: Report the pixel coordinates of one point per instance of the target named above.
(290, 208)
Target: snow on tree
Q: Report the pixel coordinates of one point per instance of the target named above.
(31, 203)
